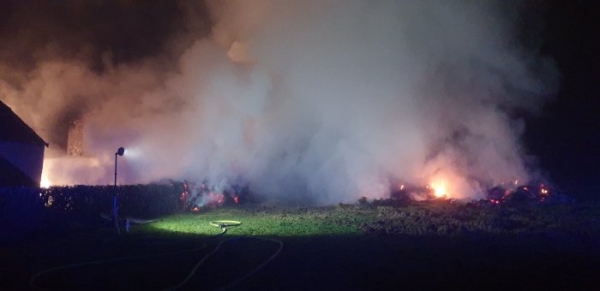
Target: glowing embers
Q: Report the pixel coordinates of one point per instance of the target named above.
(525, 194)
(497, 195)
(434, 191)
(506, 193)
(439, 187)
(196, 197)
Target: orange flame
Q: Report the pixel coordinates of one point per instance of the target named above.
(439, 189)
(45, 182)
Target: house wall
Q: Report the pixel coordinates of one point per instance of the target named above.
(29, 158)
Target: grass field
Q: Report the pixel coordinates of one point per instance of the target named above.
(295, 222)
(345, 247)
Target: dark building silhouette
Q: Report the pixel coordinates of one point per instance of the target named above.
(21, 151)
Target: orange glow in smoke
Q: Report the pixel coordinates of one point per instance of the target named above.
(439, 189)
(45, 182)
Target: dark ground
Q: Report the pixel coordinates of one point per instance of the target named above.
(363, 262)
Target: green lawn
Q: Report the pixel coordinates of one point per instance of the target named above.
(297, 222)
(440, 219)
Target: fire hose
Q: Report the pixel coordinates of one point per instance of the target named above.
(32, 281)
(222, 224)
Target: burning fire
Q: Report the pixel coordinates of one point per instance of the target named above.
(439, 189)
(197, 197)
(45, 182)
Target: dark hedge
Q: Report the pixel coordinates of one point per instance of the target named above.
(29, 209)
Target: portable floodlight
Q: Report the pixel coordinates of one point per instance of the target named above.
(115, 209)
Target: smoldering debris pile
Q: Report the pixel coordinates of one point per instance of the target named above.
(526, 194)
(196, 197)
(522, 209)
(499, 195)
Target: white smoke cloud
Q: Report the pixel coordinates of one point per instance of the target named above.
(320, 101)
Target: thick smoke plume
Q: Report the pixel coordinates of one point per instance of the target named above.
(309, 101)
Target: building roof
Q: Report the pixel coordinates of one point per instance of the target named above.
(12, 128)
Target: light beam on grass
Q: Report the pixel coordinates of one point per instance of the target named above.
(280, 224)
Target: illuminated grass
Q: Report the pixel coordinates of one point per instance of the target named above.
(416, 219)
(295, 222)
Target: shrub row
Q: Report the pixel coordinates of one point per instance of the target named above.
(447, 219)
(32, 208)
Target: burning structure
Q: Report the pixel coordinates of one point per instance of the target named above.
(21, 151)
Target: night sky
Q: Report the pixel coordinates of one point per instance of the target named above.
(564, 136)
(122, 31)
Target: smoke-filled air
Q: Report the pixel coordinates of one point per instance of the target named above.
(308, 101)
